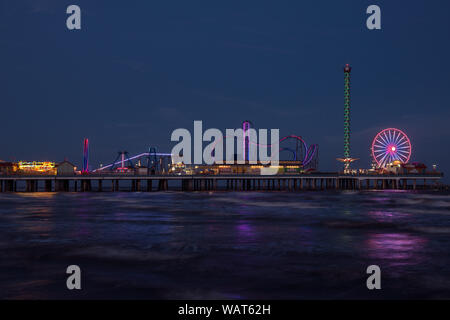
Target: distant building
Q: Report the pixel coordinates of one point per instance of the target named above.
(65, 168)
(141, 171)
(415, 167)
(8, 168)
(397, 167)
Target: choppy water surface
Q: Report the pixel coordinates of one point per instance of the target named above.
(225, 245)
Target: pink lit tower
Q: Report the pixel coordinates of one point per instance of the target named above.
(85, 156)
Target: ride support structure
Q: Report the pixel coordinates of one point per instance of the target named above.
(85, 156)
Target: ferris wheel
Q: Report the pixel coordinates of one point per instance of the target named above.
(391, 145)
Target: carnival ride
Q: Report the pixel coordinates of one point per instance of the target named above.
(155, 161)
(158, 162)
(293, 144)
(391, 145)
(347, 159)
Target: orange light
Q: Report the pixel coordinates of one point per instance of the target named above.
(36, 166)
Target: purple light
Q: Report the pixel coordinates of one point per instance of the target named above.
(399, 249)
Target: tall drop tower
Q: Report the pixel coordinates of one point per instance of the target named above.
(347, 159)
(347, 70)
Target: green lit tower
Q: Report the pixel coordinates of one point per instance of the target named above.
(347, 159)
(347, 70)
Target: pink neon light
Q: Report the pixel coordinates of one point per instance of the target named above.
(389, 145)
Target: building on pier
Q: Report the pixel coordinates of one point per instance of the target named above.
(284, 167)
(65, 168)
(8, 168)
(397, 167)
(36, 167)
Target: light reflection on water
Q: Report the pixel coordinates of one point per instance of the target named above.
(246, 232)
(387, 216)
(396, 248)
(249, 245)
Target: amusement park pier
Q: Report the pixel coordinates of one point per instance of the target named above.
(391, 167)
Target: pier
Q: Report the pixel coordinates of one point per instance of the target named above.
(149, 183)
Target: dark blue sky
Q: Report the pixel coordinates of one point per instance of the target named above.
(140, 69)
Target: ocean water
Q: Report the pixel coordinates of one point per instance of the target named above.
(224, 245)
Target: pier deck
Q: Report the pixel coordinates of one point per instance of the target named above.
(135, 183)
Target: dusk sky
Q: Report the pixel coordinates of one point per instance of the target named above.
(137, 70)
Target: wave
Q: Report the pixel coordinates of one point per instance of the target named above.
(271, 204)
(128, 254)
(432, 230)
(349, 224)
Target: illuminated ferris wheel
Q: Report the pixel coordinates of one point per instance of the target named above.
(391, 145)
